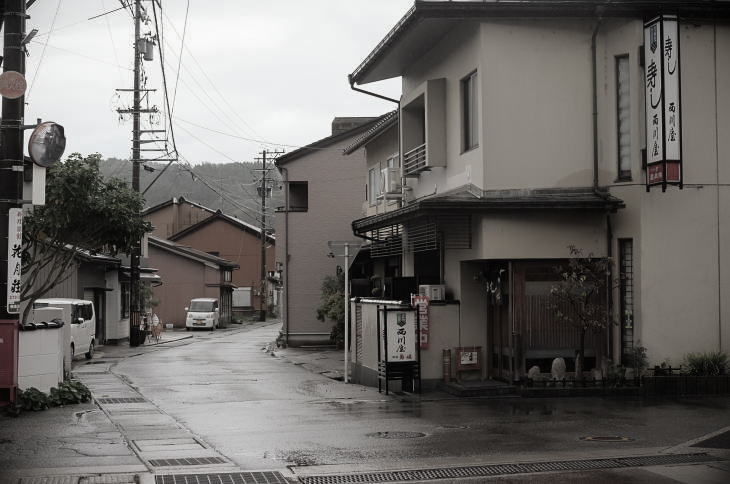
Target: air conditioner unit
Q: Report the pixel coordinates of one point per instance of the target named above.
(434, 292)
(390, 182)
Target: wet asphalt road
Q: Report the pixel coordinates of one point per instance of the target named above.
(262, 412)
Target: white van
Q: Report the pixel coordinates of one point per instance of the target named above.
(81, 316)
(202, 313)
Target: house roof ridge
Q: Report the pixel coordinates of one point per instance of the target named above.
(386, 121)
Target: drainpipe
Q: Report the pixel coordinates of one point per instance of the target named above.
(285, 173)
(594, 64)
(401, 202)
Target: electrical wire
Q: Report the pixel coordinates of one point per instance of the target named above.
(272, 143)
(80, 55)
(43, 53)
(111, 39)
(182, 46)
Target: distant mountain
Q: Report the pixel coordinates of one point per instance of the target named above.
(230, 187)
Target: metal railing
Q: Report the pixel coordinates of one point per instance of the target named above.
(414, 161)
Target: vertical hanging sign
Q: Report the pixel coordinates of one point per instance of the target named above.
(421, 304)
(662, 97)
(15, 247)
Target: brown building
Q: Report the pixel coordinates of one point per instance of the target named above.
(189, 273)
(207, 230)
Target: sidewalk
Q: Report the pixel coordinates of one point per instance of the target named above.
(324, 360)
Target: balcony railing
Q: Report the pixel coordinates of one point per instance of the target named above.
(414, 161)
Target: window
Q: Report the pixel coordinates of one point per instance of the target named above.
(392, 162)
(374, 184)
(623, 117)
(470, 128)
(124, 313)
(298, 196)
(626, 295)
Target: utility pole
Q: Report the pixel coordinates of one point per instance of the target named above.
(11, 160)
(134, 281)
(263, 189)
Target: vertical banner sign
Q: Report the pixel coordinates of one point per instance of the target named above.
(401, 336)
(15, 247)
(421, 302)
(662, 97)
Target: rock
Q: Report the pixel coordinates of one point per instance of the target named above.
(558, 369)
(534, 373)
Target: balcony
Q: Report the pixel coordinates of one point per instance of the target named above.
(414, 161)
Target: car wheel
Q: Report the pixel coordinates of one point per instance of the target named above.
(90, 353)
(188, 328)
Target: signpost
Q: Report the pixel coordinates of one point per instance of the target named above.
(345, 249)
(15, 248)
(663, 103)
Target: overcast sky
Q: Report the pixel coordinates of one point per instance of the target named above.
(273, 70)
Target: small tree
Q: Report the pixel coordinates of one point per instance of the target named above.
(332, 305)
(82, 212)
(579, 298)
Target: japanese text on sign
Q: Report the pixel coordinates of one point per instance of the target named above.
(15, 249)
(421, 304)
(401, 337)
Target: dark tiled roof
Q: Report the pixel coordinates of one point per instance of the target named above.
(325, 142)
(385, 121)
(472, 199)
(189, 252)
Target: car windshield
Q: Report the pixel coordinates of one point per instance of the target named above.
(201, 306)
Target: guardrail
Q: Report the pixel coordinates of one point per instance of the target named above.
(414, 161)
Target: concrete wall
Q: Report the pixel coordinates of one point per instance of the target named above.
(117, 328)
(236, 245)
(336, 194)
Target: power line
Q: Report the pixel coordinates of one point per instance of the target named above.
(43, 53)
(80, 55)
(182, 46)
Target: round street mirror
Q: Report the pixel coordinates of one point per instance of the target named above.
(12, 84)
(46, 144)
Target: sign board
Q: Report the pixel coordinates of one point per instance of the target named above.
(15, 249)
(421, 304)
(12, 84)
(663, 103)
(401, 334)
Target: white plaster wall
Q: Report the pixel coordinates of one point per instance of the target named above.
(116, 327)
(40, 358)
(456, 56)
(536, 78)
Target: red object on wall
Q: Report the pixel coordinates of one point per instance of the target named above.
(8, 360)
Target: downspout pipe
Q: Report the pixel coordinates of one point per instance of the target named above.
(285, 174)
(594, 64)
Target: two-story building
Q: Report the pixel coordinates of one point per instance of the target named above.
(522, 131)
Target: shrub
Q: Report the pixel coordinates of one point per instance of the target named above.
(706, 364)
(32, 399)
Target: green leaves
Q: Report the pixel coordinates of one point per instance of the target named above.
(332, 304)
(34, 400)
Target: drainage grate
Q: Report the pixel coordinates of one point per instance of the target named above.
(189, 461)
(233, 478)
(507, 469)
(396, 435)
(121, 400)
(607, 438)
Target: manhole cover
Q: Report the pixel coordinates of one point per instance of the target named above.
(396, 435)
(607, 438)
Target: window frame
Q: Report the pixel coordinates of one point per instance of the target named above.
(374, 176)
(621, 173)
(297, 183)
(469, 111)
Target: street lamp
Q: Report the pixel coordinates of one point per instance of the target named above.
(346, 249)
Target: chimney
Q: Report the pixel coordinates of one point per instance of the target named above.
(342, 124)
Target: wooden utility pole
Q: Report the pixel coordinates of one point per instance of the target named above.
(263, 192)
(135, 338)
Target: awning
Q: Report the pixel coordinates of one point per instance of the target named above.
(469, 200)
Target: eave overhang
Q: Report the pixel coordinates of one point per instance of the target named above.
(473, 200)
(423, 26)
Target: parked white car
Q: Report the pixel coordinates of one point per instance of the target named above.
(202, 313)
(81, 316)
